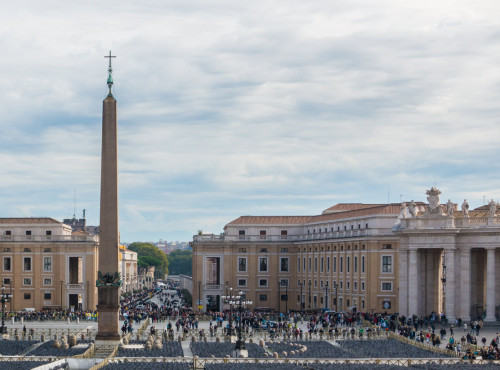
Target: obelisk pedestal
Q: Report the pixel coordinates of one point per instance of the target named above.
(108, 277)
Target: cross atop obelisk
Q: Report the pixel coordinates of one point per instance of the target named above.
(108, 277)
(110, 71)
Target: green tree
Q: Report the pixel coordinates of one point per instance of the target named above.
(181, 262)
(149, 255)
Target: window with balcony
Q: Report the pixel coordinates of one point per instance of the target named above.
(7, 263)
(387, 264)
(284, 264)
(27, 264)
(47, 264)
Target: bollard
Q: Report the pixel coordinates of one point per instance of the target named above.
(22, 320)
(42, 338)
(12, 321)
(77, 320)
(68, 321)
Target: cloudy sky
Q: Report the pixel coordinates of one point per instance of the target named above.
(230, 108)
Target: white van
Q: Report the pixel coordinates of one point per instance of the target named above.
(28, 309)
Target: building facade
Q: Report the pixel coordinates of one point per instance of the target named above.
(128, 270)
(449, 259)
(344, 259)
(46, 265)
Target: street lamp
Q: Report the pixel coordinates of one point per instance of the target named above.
(240, 349)
(199, 294)
(309, 305)
(61, 295)
(326, 293)
(301, 304)
(335, 286)
(286, 297)
(228, 299)
(6, 297)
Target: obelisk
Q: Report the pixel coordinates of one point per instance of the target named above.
(108, 277)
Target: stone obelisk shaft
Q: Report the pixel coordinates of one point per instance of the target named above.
(108, 296)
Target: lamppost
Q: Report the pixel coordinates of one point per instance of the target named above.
(6, 297)
(228, 299)
(326, 293)
(335, 286)
(286, 297)
(301, 304)
(309, 305)
(199, 294)
(240, 349)
(279, 296)
(61, 282)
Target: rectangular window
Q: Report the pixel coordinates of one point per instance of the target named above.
(263, 234)
(387, 264)
(284, 297)
(310, 267)
(28, 232)
(348, 267)
(27, 295)
(7, 263)
(355, 264)
(304, 264)
(355, 285)
(387, 287)
(6, 281)
(284, 250)
(26, 250)
(298, 264)
(316, 264)
(242, 264)
(315, 283)
(263, 250)
(47, 263)
(363, 286)
(362, 303)
(27, 263)
(284, 264)
(363, 264)
(47, 296)
(327, 264)
(341, 285)
(348, 285)
(322, 264)
(334, 264)
(263, 297)
(8, 232)
(284, 282)
(321, 284)
(241, 233)
(284, 234)
(386, 246)
(242, 282)
(47, 281)
(47, 250)
(48, 232)
(263, 264)
(27, 281)
(262, 282)
(341, 264)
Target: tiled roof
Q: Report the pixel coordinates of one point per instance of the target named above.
(349, 211)
(342, 207)
(29, 220)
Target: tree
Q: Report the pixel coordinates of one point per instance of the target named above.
(149, 255)
(181, 262)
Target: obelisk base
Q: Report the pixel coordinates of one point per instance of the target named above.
(108, 315)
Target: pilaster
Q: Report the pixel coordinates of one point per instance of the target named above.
(490, 285)
(450, 285)
(465, 284)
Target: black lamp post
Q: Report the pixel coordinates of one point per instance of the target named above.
(241, 302)
(286, 297)
(228, 299)
(309, 305)
(335, 286)
(61, 282)
(199, 294)
(326, 293)
(5, 297)
(301, 304)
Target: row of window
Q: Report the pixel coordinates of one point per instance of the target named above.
(27, 264)
(28, 281)
(284, 264)
(28, 232)
(325, 230)
(386, 264)
(263, 234)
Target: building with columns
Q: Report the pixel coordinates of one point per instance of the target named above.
(343, 259)
(448, 259)
(46, 265)
(128, 270)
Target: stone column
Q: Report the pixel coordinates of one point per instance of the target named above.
(108, 281)
(465, 286)
(490, 285)
(450, 285)
(403, 283)
(413, 283)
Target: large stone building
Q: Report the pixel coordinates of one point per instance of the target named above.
(128, 270)
(344, 259)
(47, 265)
(448, 259)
